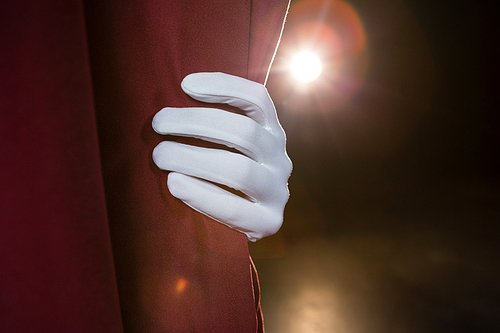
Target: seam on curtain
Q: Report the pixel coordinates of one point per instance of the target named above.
(281, 28)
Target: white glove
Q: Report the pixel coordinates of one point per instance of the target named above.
(261, 172)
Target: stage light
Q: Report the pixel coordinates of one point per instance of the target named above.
(306, 66)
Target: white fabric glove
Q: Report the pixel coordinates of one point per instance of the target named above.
(261, 171)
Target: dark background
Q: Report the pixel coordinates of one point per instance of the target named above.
(392, 223)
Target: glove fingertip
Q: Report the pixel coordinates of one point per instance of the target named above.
(175, 184)
(157, 122)
(157, 155)
(192, 81)
(204, 84)
(188, 79)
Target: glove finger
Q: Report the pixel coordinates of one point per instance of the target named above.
(249, 96)
(238, 213)
(219, 166)
(218, 126)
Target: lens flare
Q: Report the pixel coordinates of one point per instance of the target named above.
(333, 31)
(306, 66)
(181, 285)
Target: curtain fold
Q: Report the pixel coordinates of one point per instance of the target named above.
(56, 267)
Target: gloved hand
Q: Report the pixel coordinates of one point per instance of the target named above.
(260, 172)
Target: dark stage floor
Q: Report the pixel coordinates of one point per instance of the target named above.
(428, 264)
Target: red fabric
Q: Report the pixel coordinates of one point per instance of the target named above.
(176, 270)
(139, 58)
(56, 267)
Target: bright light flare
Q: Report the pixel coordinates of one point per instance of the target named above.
(181, 285)
(306, 66)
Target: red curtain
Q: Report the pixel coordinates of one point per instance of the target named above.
(90, 238)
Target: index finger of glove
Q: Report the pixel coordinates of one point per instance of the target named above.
(248, 96)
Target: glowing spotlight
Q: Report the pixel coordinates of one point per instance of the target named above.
(306, 67)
